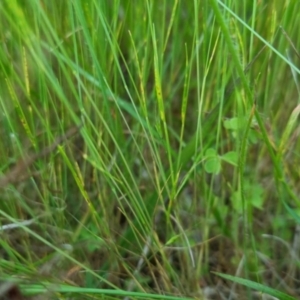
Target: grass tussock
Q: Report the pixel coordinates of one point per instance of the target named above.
(149, 149)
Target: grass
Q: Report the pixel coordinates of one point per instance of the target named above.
(149, 149)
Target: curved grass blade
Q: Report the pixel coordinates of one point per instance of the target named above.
(257, 286)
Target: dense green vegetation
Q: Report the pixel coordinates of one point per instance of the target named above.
(148, 147)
